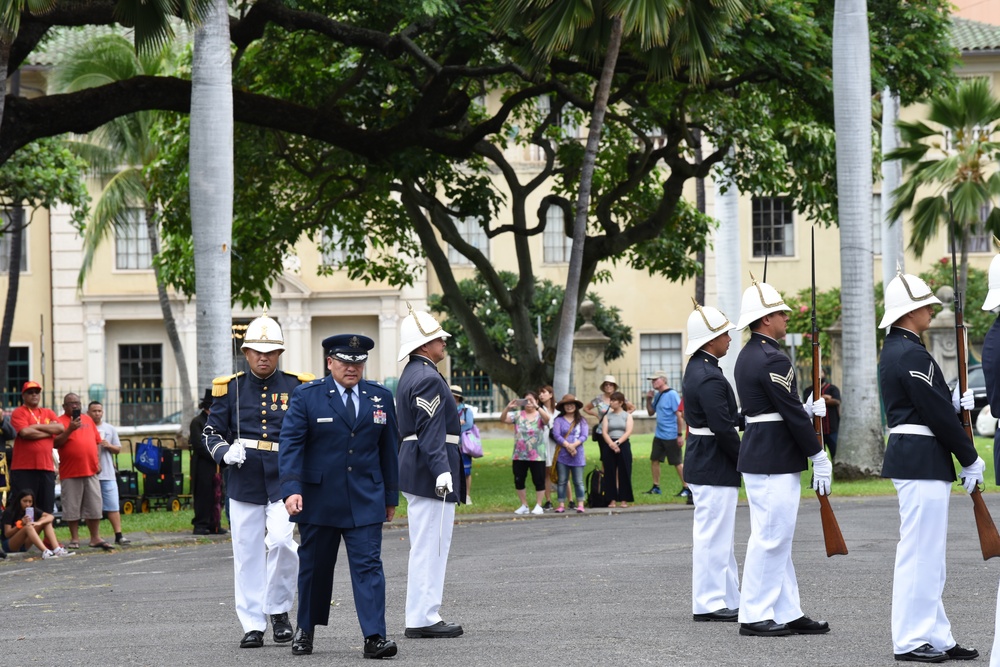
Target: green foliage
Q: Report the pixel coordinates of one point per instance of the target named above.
(800, 321)
(497, 323)
(43, 174)
(977, 320)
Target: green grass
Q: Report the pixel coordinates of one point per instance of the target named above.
(493, 486)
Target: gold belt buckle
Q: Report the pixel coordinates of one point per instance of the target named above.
(264, 445)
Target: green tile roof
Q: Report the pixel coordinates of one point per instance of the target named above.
(969, 35)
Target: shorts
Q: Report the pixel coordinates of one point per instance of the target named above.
(41, 482)
(537, 470)
(467, 464)
(81, 498)
(109, 495)
(666, 449)
(5, 545)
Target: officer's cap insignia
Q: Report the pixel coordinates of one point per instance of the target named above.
(785, 380)
(355, 342)
(430, 407)
(928, 378)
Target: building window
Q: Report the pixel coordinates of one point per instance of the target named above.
(773, 230)
(5, 246)
(18, 372)
(334, 249)
(140, 376)
(556, 246)
(661, 352)
(132, 243)
(877, 223)
(981, 240)
(473, 233)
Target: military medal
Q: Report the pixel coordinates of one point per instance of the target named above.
(379, 416)
(284, 402)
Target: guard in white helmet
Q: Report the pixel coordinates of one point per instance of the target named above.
(991, 371)
(710, 459)
(923, 434)
(244, 431)
(430, 471)
(779, 439)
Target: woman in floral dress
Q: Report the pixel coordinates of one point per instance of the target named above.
(529, 448)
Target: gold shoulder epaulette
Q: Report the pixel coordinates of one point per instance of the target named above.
(303, 377)
(220, 385)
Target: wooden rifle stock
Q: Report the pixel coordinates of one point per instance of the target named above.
(989, 538)
(832, 537)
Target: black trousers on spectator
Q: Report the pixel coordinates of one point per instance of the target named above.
(617, 472)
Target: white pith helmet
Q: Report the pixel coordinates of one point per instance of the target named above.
(993, 296)
(904, 294)
(705, 324)
(418, 328)
(263, 335)
(759, 299)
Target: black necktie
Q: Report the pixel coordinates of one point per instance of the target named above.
(352, 414)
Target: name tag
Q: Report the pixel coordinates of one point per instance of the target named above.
(321, 420)
(379, 416)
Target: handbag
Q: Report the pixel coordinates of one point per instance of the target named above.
(554, 469)
(472, 443)
(596, 435)
(147, 457)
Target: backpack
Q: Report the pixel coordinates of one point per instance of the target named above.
(596, 497)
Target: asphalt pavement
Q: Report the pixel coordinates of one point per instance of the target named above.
(610, 587)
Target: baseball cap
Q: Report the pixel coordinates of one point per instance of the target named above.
(30, 384)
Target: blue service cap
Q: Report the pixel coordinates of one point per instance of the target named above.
(349, 348)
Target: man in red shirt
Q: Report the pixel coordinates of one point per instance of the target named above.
(78, 447)
(31, 465)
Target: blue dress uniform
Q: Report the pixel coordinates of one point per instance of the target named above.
(429, 429)
(710, 459)
(924, 432)
(778, 440)
(264, 554)
(991, 372)
(347, 474)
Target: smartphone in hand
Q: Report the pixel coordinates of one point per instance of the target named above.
(29, 514)
(76, 413)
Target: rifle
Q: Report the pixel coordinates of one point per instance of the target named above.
(834, 539)
(989, 539)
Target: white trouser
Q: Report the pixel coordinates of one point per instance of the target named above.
(265, 561)
(995, 653)
(918, 581)
(770, 590)
(425, 574)
(715, 580)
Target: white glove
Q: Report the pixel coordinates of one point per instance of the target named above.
(819, 407)
(822, 473)
(442, 486)
(968, 400)
(972, 475)
(236, 455)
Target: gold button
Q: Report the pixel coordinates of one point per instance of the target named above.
(264, 427)
(263, 421)
(263, 412)
(263, 405)
(264, 395)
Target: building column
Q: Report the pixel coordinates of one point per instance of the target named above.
(297, 329)
(96, 357)
(388, 345)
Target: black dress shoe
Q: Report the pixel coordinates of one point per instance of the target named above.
(220, 531)
(302, 642)
(956, 652)
(439, 629)
(281, 628)
(725, 614)
(925, 653)
(766, 628)
(377, 647)
(807, 626)
(252, 639)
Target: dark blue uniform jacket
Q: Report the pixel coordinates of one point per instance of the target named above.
(709, 402)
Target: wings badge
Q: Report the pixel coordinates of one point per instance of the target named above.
(784, 380)
(928, 377)
(430, 407)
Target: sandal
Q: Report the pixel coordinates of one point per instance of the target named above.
(102, 545)
(73, 545)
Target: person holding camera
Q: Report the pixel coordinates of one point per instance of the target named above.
(78, 447)
(24, 525)
(529, 448)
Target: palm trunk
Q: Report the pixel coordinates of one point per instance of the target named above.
(16, 231)
(727, 264)
(187, 404)
(861, 445)
(211, 174)
(892, 176)
(699, 198)
(567, 314)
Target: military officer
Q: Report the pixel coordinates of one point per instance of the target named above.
(923, 435)
(779, 438)
(244, 431)
(710, 467)
(991, 372)
(339, 478)
(429, 464)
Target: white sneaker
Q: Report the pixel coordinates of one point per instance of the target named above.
(523, 509)
(538, 510)
(468, 500)
(61, 552)
(47, 554)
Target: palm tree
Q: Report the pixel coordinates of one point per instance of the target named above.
(951, 155)
(892, 234)
(671, 34)
(125, 141)
(862, 444)
(211, 176)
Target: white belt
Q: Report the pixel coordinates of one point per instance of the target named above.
(259, 445)
(449, 438)
(911, 429)
(698, 430)
(766, 417)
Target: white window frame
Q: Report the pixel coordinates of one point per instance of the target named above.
(132, 251)
(5, 246)
(764, 210)
(556, 246)
(662, 350)
(473, 233)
